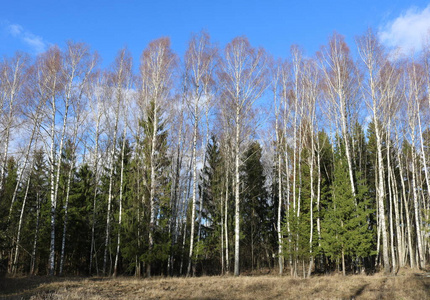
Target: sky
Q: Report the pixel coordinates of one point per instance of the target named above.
(107, 26)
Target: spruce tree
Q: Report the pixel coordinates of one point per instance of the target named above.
(37, 199)
(79, 220)
(258, 235)
(7, 221)
(346, 233)
(160, 253)
(207, 249)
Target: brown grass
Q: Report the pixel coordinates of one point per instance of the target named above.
(408, 284)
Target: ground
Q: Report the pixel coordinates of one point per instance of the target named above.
(408, 284)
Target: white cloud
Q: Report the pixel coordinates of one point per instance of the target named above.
(15, 30)
(36, 43)
(407, 31)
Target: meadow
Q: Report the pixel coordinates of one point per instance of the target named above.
(408, 284)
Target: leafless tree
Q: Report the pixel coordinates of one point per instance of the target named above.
(378, 70)
(119, 84)
(243, 77)
(200, 60)
(12, 79)
(156, 70)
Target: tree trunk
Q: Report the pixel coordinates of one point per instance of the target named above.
(34, 132)
(227, 260)
(18, 235)
(121, 188)
(194, 193)
(36, 237)
(52, 192)
(399, 234)
(311, 260)
(66, 216)
(417, 207)
(96, 162)
(237, 195)
(111, 170)
(280, 199)
(11, 91)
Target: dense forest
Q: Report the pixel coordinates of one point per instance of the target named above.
(225, 160)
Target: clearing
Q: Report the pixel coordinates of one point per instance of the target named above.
(408, 284)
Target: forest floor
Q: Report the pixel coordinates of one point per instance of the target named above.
(408, 284)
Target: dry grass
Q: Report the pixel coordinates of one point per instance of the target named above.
(407, 284)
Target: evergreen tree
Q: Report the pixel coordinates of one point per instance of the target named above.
(131, 228)
(346, 233)
(37, 199)
(79, 219)
(7, 228)
(326, 174)
(157, 256)
(208, 247)
(258, 235)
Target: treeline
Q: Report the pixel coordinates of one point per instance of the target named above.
(223, 161)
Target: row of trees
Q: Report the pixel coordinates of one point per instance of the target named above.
(223, 161)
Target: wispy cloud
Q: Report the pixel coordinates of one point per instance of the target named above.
(407, 31)
(36, 43)
(15, 30)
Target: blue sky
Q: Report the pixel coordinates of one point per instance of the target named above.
(107, 26)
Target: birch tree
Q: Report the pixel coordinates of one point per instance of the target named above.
(342, 85)
(156, 68)
(414, 97)
(243, 76)
(50, 83)
(372, 55)
(199, 58)
(33, 110)
(96, 90)
(275, 72)
(121, 183)
(119, 83)
(311, 94)
(78, 65)
(12, 79)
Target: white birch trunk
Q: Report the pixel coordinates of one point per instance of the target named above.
(121, 188)
(36, 237)
(52, 190)
(11, 91)
(33, 136)
(227, 260)
(96, 162)
(417, 207)
(152, 185)
(66, 217)
(66, 208)
(18, 235)
(194, 192)
(237, 195)
(311, 234)
(111, 169)
(280, 199)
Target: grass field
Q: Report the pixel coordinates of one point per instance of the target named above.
(408, 284)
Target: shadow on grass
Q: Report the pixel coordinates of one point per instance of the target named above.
(424, 279)
(25, 287)
(359, 291)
